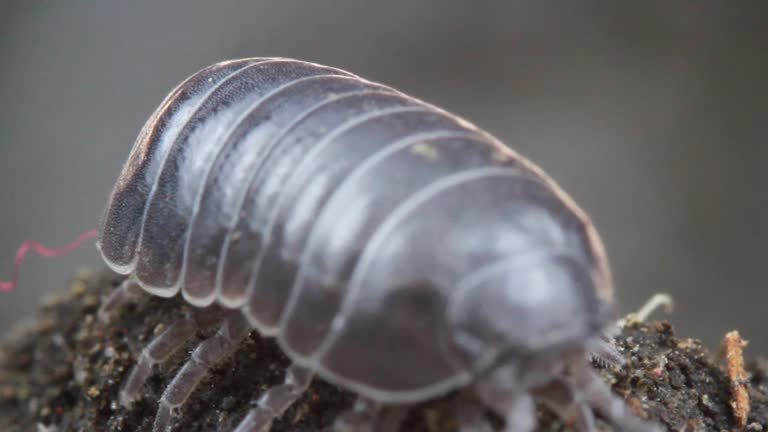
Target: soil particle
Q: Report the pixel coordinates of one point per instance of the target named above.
(63, 371)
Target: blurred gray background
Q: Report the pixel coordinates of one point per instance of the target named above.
(651, 114)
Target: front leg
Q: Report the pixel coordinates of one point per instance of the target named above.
(470, 413)
(589, 389)
(560, 397)
(603, 350)
(502, 392)
(520, 413)
(360, 418)
(368, 416)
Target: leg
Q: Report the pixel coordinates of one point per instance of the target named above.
(590, 389)
(128, 289)
(173, 338)
(520, 414)
(470, 414)
(559, 396)
(361, 417)
(501, 390)
(275, 401)
(604, 352)
(208, 353)
(368, 416)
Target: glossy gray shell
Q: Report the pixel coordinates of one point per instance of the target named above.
(390, 246)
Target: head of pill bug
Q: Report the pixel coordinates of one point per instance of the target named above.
(537, 306)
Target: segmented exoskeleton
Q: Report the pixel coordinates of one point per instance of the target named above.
(392, 248)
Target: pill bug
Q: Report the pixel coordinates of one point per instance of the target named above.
(390, 247)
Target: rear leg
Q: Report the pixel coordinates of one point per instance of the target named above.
(118, 298)
(163, 346)
(273, 403)
(233, 330)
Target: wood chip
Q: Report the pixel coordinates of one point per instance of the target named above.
(732, 347)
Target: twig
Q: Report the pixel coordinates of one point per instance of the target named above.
(732, 346)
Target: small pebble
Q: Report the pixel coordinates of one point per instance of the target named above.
(228, 402)
(109, 352)
(158, 329)
(78, 288)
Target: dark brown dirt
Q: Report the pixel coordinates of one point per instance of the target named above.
(62, 372)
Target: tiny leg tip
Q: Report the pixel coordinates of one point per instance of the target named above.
(162, 419)
(126, 401)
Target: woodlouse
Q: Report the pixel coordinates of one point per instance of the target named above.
(392, 248)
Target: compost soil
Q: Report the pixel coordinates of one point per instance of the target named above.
(62, 371)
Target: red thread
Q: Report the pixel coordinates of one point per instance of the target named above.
(42, 251)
